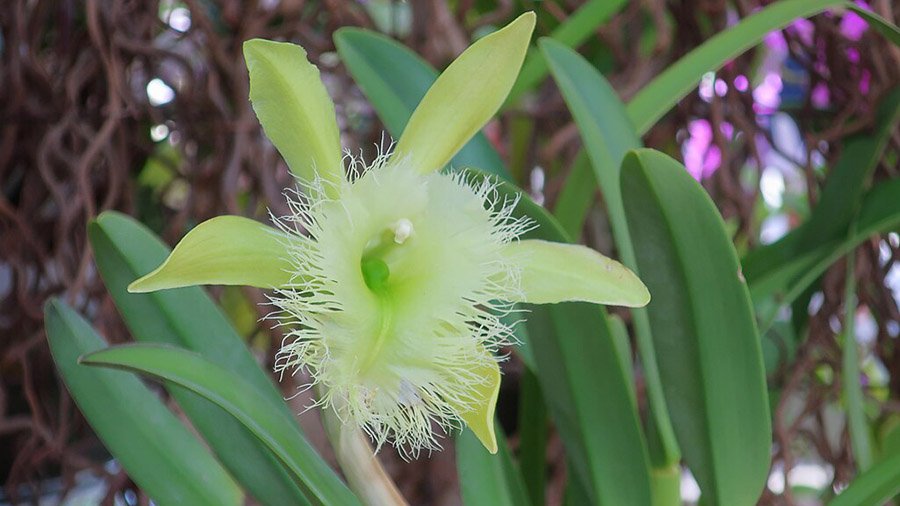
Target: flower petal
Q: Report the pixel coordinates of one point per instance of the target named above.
(481, 419)
(556, 272)
(226, 250)
(465, 96)
(294, 108)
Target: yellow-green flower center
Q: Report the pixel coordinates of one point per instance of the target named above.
(381, 251)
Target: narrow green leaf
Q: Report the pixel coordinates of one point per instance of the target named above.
(395, 79)
(226, 250)
(241, 400)
(666, 485)
(572, 32)
(860, 439)
(703, 327)
(487, 479)
(881, 25)
(619, 334)
(124, 249)
(577, 196)
(577, 493)
(457, 105)
(532, 436)
(874, 487)
(555, 272)
(880, 213)
(661, 94)
(777, 267)
(601, 119)
(294, 108)
(156, 450)
(607, 135)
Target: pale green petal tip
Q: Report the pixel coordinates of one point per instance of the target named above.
(556, 272)
(148, 283)
(481, 419)
(226, 250)
(294, 108)
(465, 96)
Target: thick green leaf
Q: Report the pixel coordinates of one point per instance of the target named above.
(708, 348)
(395, 79)
(242, 400)
(294, 108)
(226, 250)
(124, 249)
(457, 106)
(555, 272)
(607, 135)
(488, 479)
(585, 384)
(874, 487)
(157, 451)
(572, 32)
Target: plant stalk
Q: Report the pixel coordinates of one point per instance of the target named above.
(365, 476)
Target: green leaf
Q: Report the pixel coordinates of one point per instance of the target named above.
(589, 397)
(880, 213)
(781, 266)
(874, 487)
(395, 79)
(577, 196)
(532, 426)
(607, 135)
(661, 94)
(881, 25)
(704, 331)
(585, 384)
(294, 109)
(156, 450)
(265, 419)
(465, 97)
(226, 250)
(488, 479)
(575, 30)
(124, 249)
(854, 398)
(555, 272)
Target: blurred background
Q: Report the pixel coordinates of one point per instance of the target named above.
(141, 106)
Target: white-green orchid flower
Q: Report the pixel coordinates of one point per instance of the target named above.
(391, 276)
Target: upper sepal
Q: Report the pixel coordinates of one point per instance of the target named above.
(294, 109)
(465, 96)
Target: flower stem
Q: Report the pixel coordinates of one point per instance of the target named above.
(364, 473)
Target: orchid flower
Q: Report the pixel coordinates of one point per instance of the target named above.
(393, 276)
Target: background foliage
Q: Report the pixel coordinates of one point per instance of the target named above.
(142, 107)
